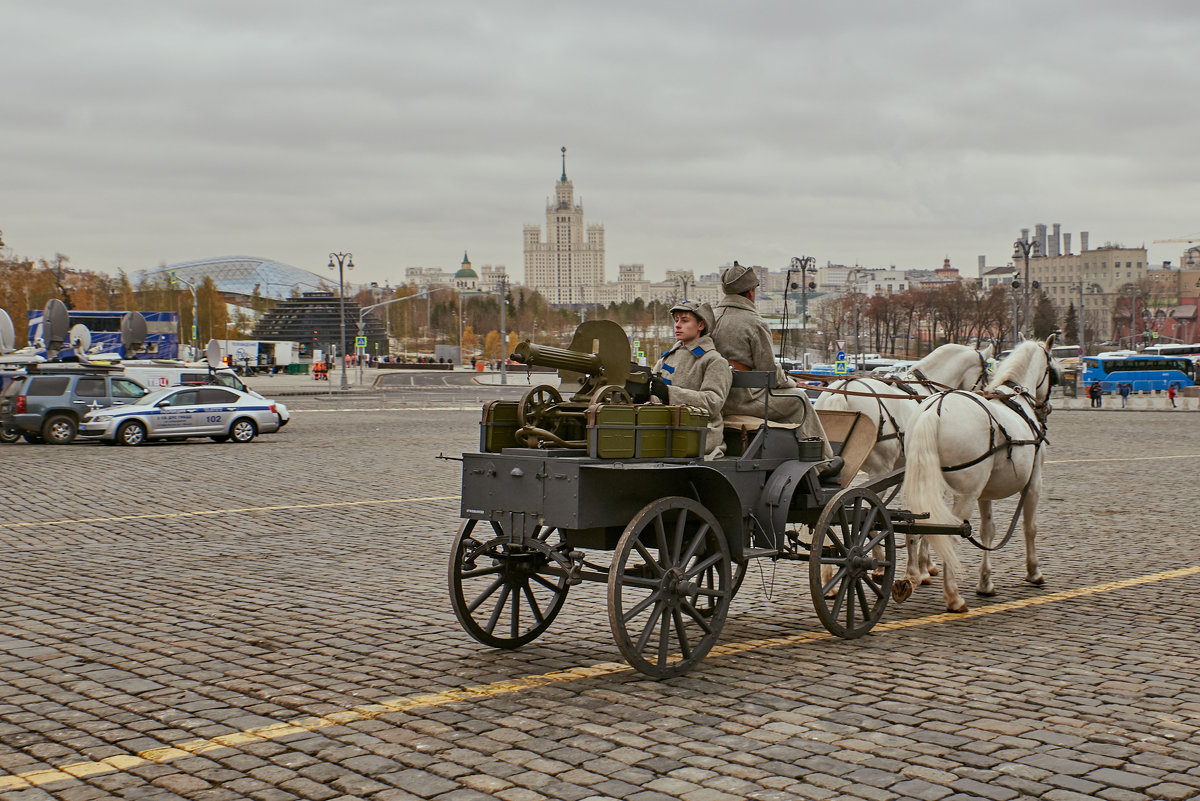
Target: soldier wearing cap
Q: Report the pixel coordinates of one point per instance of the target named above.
(742, 337)
(692, 372)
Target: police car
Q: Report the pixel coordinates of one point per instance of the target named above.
(219, 413)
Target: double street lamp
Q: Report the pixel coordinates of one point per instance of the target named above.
(1022, 249)
(175, 279)
(803, 265)
(345, 261)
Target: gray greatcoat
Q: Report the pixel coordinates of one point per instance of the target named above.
(697, 375)
(742, 337)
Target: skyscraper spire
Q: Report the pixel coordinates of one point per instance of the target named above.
(564, 158)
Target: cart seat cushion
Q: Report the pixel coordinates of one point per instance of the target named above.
(749, 422)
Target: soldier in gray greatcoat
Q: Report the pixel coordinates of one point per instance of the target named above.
(742, 337)
(692, 372)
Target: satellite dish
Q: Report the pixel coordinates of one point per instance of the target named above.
(8, 335)
(81, 338)
(55, 322)
(133, 332)
(213, 354)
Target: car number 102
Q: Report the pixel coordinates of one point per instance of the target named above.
(214, 418)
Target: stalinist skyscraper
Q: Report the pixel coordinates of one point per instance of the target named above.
(567, 260)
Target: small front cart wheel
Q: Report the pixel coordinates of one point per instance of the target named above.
(669, 587)
(845, 536)
(535, 404)
(505, 595)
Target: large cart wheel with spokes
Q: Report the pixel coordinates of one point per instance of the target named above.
(852, 599)
(506, 595)
(669, 587)
(534, 405)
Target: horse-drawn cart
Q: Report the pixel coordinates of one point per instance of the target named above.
(596, 488)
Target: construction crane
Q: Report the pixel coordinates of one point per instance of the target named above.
(1182, 240)
(1191, 256)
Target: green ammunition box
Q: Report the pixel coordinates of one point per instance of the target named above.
(654, 425)
(498, 427)
(611, 431)
(691, 424)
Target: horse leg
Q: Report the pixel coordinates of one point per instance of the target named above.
(1033, 573)
(928, 568)
(987, 533)
(903, 588)
(954, 600)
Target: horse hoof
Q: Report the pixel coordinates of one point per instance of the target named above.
(901, 590)
(986, 592)
(1038, 580)
(934, 570)
(926, 581)
(959, 610)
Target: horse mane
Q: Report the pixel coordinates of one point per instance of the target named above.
(1015, 365)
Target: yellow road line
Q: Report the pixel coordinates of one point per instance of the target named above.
(207, 512)
(1124, 459)
(114, 764)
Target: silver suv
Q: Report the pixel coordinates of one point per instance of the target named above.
(47, 405)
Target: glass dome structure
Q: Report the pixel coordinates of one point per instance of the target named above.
(242, 274)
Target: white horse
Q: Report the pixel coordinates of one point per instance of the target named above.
(946, 367)
(981, 447)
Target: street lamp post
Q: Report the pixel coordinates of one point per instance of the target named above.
(804, 265)
(503, 329)
(345, 261)
(175, 279)
(1022, 248)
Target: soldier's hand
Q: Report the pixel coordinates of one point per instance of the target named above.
(660, 389)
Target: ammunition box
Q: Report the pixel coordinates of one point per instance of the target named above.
(654, 430)
(498, 428)
(611, 431)
(810, 449)
(691, 425)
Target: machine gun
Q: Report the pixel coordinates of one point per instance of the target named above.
(597, 364)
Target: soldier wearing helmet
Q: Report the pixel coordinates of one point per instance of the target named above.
(692, 372)
(741, 335)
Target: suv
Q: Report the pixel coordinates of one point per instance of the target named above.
(46, 406)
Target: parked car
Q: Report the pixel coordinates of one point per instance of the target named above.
(48, 404)
(219, 413)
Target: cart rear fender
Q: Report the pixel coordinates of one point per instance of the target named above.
(789, 478)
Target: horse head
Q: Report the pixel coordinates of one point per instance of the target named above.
(1031, 367)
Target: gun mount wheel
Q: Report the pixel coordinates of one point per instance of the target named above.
(853, 523)
(534, 405)
(505, 595)
(611, 394)
(669, 587)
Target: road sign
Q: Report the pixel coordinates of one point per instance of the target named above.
(840, 367)
(841, 356)
(360, 342)
(841, 344)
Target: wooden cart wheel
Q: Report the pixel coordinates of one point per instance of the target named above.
(850, 527)
(505, 595)
(669, 587)
(611, 393)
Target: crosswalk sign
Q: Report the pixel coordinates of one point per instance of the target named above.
(839, 367)
(360, 342)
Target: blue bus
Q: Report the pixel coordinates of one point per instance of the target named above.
(1143, 373)
(162, 331)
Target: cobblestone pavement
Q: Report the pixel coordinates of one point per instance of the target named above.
(271, 621)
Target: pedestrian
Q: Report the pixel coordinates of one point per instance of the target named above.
(1096, 393)
(1171, 395)
(1125, 390)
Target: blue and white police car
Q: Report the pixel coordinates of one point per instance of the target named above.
(219, 413)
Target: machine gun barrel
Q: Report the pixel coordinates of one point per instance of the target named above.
(558, 358)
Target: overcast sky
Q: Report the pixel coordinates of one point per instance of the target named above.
(136, 134)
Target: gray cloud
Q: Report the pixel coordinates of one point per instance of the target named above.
(872, 132)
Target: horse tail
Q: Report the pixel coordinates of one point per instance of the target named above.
(924, 485)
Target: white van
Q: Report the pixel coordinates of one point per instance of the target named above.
(154, 374)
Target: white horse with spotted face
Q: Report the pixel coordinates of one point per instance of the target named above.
(981, 447)
(949, 366)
